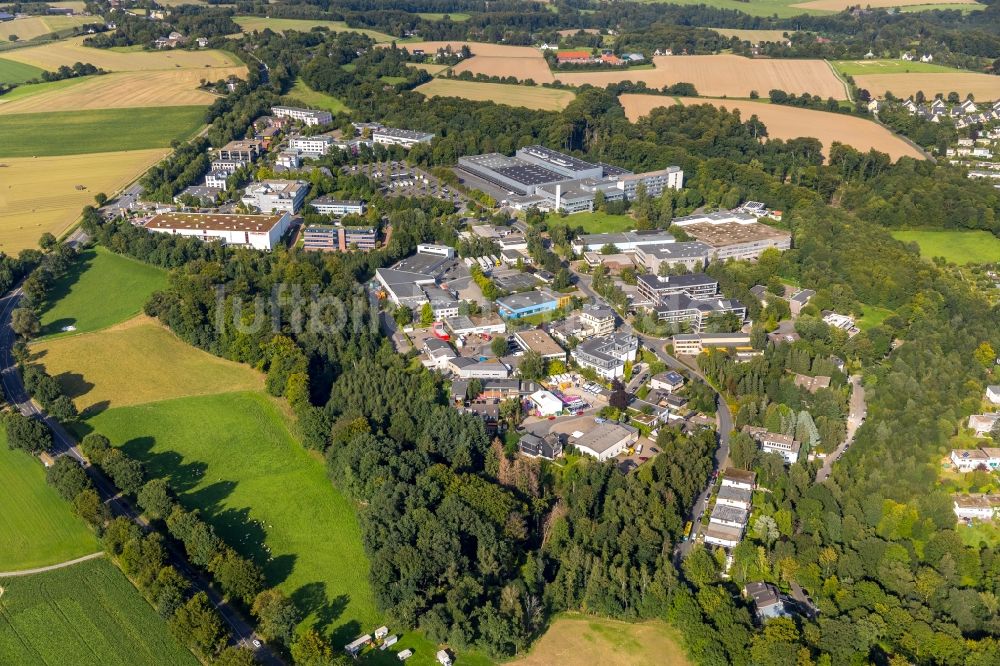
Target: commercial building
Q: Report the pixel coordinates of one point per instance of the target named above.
(390, 136)
(240, 152)
(655, 182)
(681, 309)
(772, 442)
(733, 235)
(692, 255)
(525, 304)
(312, 146)
(546, 404)
(626, 241)
(606, 440)
(437, 354)
(304, 116)
(261, 232)
(403, 283)
(465, 325)
(469, 368)
(607, 354)
(539, 341)
(271, 196)
(329, 206)
(329, 238)
(654, 288)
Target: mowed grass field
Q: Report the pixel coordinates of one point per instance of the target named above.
(960, 247)
(96, 130)
(981, 86)
(47, 193)
(37, 526)
(786, 122)
(69, 51)
(598, 222)
(580, 640)
(315, 99)
(841, 5)
(119, 90)
(114, 367)
(726, 76)
(102, 289)
(754, 35)
(531, 97)
(88, 613)
(30, 27)
(17, 72)
(259, 23)
(863, 67)
(232, 456)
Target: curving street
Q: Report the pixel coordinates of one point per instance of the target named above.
(65, 444)
(855, 418)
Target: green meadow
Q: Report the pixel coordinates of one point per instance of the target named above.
(960, 247)
(16, 72)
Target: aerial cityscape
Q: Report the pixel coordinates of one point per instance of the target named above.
(527, 332)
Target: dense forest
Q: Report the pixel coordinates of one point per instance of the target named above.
(478, 547)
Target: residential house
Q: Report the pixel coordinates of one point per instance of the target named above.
(740, 498)
(772, 442)
(549, 447)
(669, 381)
(437, 354)
(738, 478)
(767, 602)
(976, 507)
(982, 424)
(967, 460)
(811, 384)
(993, 393)
(799, 300)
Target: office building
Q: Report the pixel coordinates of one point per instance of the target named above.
(330, 206)
(330, 238)
(607, 355)
(304, 116)
(276, 195)
(390, 136)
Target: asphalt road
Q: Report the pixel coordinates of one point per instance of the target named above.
(64, 444)
(856, 416)
(724, 418)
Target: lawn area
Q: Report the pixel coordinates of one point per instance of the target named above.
(82, 297)
(578, 640)
(872, 316)
(978, 532)
(114, 367)
(232, 457)
(88, 613)
(17, 72)
(780, 8)
(96, 131)
(598, 222)
(316, 99)
(251, 23)
(37, 526)
(857, 67)
(392, 80)
(457, 17)
(960, 247)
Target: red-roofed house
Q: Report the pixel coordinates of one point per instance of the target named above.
(573, 57)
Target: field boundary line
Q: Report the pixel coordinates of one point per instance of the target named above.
(847, 88)
(51, 567)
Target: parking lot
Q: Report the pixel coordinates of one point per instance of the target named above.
(399, 179)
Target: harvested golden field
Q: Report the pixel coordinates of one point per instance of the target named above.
(786, 122)
(840, 5)
(754, 35)
(67, 52)
(136, 362)
(524, 62)
(573, 31)
(726, 76)
(429, 67)
(982, 86)
(530, 97)
(36, 26)
(581, 640)
(40, 194)
(125, 90)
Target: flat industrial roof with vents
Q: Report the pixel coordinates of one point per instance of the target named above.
(214, 222)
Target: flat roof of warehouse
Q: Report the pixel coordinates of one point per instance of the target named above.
(214, 222)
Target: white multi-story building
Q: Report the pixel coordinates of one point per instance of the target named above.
(312, 146)
(270, 196)
(607, 354)
(598, 319)
(390, 136)
(671, 178)
(217, 179)
(733, 235)
(261, 232)
(330, 206)
(976, 507)
(773, 442)
(305, 116)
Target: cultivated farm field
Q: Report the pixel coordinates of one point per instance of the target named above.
(96, 130)
(114, 367)
(579, 640)
(30, 27)
(960, 247)
(37, 526)
(982, 86)
(47, 193)
(786, 122)
(726, 76)
(119, 90)
(531, 97)
(69, 51)
(88, 613)
(523, 62)
(82, 298)
(17, 72)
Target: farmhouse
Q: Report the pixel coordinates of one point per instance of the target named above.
(329, 238)
(261, 232)
(305, 116)
(607, 354)
(388, 136)
(607, 440)
(574, 57)
(330, 206)
(276, 195)
(733, 235)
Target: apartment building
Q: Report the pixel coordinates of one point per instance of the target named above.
(304, 116)
(606, 355)
(312, 146)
